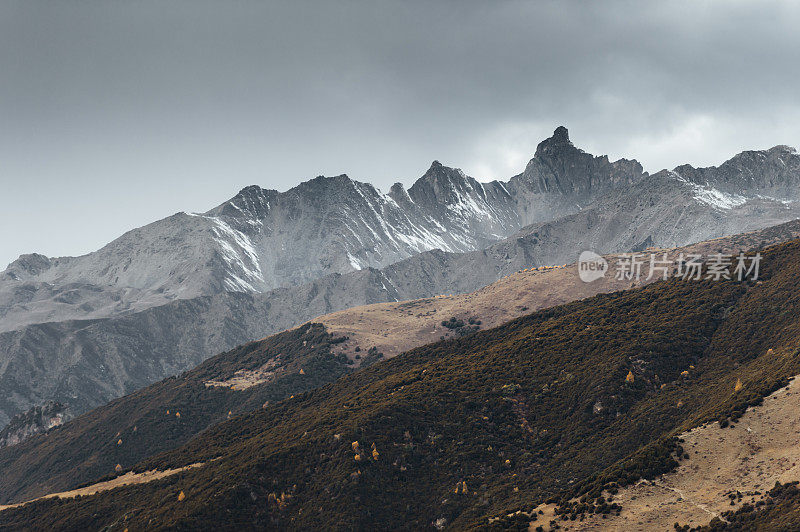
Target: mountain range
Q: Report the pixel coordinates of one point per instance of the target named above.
(432, 358)
(261, 239)
(164, 297)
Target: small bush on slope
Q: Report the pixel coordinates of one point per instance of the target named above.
(443, 415)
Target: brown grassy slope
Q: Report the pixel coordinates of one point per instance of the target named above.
(127, 479)
(749, 458)
(396, 327)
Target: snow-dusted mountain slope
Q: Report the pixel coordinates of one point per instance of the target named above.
(263, 239)
(773, 173)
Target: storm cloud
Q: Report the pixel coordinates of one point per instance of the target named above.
(113, 113)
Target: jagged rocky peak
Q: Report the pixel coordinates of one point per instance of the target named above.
(399, 194)
(255, 193)
(323, 183)
(332, 190)
(774, 172)
(439, 175)
(560, 167)
(252, 201)
(29, 265)
(555, 144)
(444, 185)
(256, 202)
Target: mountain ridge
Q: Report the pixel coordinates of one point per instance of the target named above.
(145, 346)
(192, 285)
(262, 239)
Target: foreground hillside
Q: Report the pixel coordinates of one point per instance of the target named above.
(167, 414)
(731, 468)
(73, 454)
(563, 402)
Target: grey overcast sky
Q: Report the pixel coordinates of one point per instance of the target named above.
(116, 113)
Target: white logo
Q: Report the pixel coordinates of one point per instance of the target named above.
(591, 266)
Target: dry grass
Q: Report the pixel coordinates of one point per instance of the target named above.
(763, 448)
(244, 379)
(123, 480)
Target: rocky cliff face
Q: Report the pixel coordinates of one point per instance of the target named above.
(559, 167)
(37, 419)
(773, 173)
